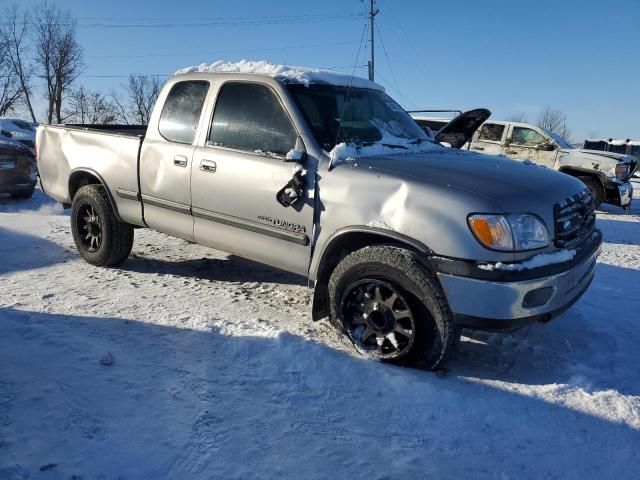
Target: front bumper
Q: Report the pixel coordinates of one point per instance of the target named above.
(507, 305)
(619, 193)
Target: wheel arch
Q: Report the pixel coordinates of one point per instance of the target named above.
(583, 172)
(80, 177)
(344, 242)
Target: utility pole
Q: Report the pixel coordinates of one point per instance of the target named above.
(372, 15)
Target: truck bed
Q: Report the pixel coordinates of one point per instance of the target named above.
(69, 154)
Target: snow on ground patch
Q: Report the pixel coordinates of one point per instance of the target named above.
(215, 366)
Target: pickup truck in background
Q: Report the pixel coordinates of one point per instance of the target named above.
(324, 175)
(607, 174)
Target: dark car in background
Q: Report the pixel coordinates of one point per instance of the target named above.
(18, 174)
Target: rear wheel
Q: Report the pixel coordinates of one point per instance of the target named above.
(101, 239)
(596, 189)
(391, 308)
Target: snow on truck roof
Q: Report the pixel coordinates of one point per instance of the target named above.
(283, 73)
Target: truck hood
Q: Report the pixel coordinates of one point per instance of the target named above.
(513, 185)
(591, 154)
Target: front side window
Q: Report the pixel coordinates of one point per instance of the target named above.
(491, 132)
(249, 117)
(527, 137)
(181, 111)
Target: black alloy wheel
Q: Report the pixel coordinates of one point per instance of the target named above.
(89, 227)
(378, 319)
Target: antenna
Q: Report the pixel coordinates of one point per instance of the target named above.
(373, 11)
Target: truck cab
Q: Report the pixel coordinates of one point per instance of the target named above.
(606, 174)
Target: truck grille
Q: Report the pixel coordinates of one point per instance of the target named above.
(575, 218)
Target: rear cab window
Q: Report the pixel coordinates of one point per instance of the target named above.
(181, 111)
(250, 117)
(491, 132)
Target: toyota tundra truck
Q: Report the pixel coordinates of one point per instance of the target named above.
(404, 242)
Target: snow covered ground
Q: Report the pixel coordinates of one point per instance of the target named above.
(186, 363)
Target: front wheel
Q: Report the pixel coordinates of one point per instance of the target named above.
(391, 308)
(101, 239)
(595, 188)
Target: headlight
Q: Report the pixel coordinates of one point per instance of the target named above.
(622, 171)
(514, 232)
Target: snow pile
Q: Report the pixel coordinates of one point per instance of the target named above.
(295, 155)
(540, 260)
(617, 142)
(284, 73)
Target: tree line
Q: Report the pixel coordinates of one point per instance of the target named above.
(39, 51)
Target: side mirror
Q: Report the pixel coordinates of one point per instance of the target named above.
(546, 147)
(297, 154)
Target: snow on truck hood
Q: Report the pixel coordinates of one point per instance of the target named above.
(284, 73)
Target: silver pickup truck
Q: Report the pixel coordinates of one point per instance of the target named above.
(404, 242)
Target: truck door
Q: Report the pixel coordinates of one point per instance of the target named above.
(525, 143)
(237, 172)
(489, 139)
(165, 160)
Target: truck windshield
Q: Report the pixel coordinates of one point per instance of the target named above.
(558, 139)
(355, 116)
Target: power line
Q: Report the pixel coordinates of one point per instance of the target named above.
(220, 21)
(215, 52)
(384, 49)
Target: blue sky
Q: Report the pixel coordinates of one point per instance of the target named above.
(582, 57)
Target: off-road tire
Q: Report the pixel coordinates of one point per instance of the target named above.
(436, 335)
(116, 236)
(596, 189)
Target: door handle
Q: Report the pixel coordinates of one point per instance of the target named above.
(478, 148)
(180, 161)
(207, 165)
(511, 152)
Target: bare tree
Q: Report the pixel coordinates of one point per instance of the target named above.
(9, 86)
(518, 117)
(13, 39)
(141, 93)
(85, 106)
(555, 121)
(58, 55)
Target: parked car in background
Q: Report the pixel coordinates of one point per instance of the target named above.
(18, 131)
(17, 170)
(606, 174)
(324, 175)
